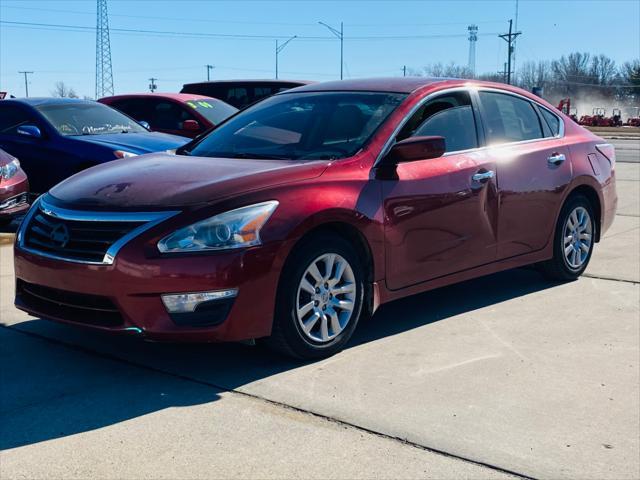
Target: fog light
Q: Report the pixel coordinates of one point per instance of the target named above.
(187, 302)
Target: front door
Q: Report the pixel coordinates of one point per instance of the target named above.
(440, 214)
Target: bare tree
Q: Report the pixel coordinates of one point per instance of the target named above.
(630, 75)
(603, 70)
(61, 90)
(440, 70)
(535, 74)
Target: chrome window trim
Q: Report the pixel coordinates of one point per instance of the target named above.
(389, 143)
(151, 218)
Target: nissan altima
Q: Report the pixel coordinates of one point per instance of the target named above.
(298, 217)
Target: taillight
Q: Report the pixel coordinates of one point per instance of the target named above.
(609, 152)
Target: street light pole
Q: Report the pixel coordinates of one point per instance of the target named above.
(209, 67)
(339, 34)
(279, 48)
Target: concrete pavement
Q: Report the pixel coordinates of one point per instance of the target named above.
(508, 373)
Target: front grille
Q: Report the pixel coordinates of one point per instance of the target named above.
(71, 306)
(79, 240)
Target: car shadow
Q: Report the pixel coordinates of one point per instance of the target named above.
(98, 380)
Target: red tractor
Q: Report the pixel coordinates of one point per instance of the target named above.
(597, 119)
(634, 118)
(616, 118)
(565, 107)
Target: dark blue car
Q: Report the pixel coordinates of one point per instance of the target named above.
(55, 138)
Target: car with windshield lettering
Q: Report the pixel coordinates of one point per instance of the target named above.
(298, 217)
(55, 138)
(175, 113)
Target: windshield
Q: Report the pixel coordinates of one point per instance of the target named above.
(301, 126)
(213, 110)
(88, 119)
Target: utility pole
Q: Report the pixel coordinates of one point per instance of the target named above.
(279, 48)
(104, 72)
(209, 68)
(504, 73)
(513, 62)
(404, 71)
(26, 83)
(152, 85)
(509, 38)
(339, 34)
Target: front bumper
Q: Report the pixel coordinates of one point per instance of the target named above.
(126, 296)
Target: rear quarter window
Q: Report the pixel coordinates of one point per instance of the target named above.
(552, 121)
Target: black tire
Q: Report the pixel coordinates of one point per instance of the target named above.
(558, 268)
(287, 336)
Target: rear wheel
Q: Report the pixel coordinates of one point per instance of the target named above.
(320, 299)
(573, 240)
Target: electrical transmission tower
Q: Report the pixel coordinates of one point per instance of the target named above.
(104, 73)
(473, 38)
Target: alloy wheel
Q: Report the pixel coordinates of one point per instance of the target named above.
(577, 238)
(326, 298)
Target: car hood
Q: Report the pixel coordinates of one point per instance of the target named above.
(161, 180)
(144, 142)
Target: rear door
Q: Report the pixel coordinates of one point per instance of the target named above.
(440, 213)
(533, 169)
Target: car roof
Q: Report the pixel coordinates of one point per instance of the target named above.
(37, 101)
(378, 84)
(253, 81)
(180, 97)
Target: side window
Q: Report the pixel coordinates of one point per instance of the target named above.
(11, 117)
(166, 116)
(133, 107)
(509, 118)
(238, 97)
(552, 121)
(449, 116)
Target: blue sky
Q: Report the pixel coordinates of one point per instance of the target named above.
(417, 33)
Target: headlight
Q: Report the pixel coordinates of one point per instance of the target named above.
(124, 154)
(233, 229)
(10, 169)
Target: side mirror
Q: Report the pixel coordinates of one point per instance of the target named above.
(29, 131)
(415, 148)
(145, 124)
(191, 125)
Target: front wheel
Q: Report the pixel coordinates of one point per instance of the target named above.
(320, 299)
(573, 241)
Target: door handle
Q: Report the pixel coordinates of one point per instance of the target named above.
(483, 177)
(556, 159)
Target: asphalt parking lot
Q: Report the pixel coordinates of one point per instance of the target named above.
(504, 376)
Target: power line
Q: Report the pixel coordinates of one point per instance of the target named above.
(82, 28)
(244, 22)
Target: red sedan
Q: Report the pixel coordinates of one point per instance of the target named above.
(182, 114)
(305, 212)
(14, 189)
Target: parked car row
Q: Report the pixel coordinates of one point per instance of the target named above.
(55, 138)
(300, 215)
